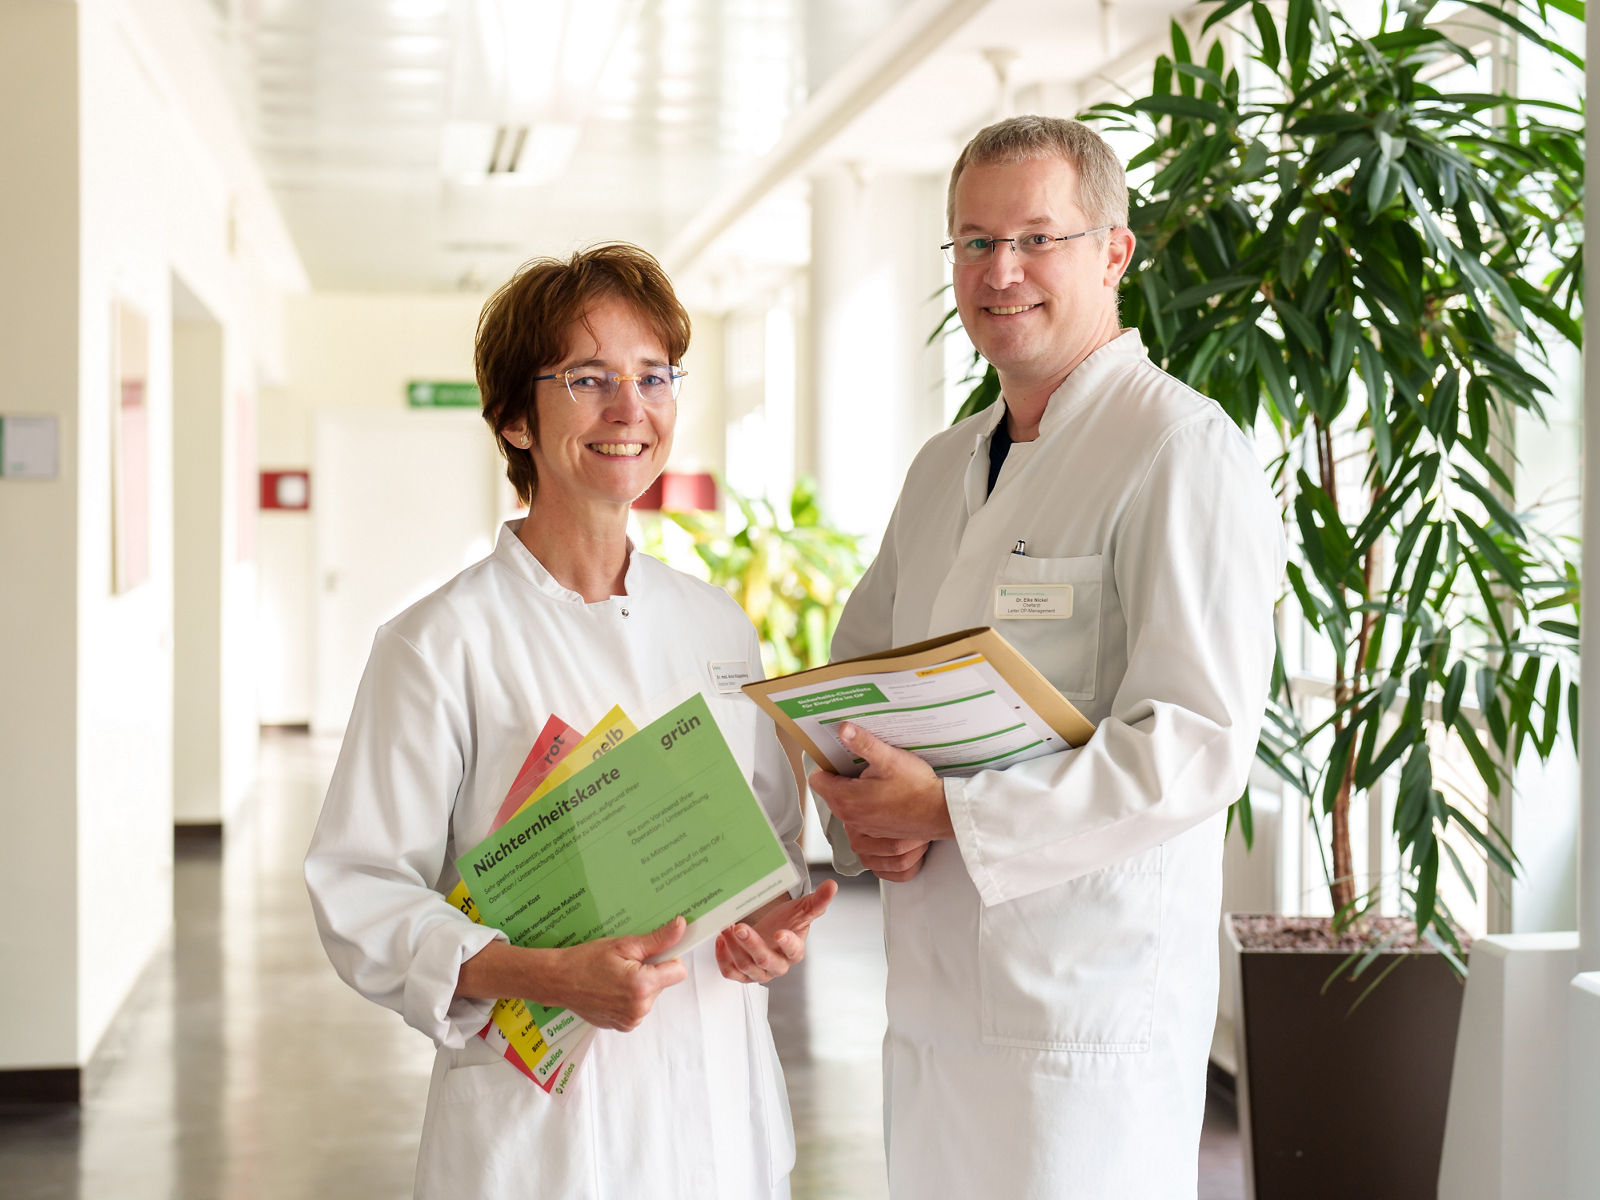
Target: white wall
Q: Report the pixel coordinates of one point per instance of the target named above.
(38, 535)
(123, 191)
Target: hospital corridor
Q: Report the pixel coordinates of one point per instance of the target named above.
(1004, 409)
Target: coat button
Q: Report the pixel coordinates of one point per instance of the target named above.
(624, 612)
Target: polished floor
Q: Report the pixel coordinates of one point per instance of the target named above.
(242, 1069)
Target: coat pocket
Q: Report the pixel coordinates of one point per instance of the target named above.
(1073, 967)
(1063, 641)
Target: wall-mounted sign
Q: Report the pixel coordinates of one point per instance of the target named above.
(433, 393)
(30, 447)
(680, 492)
(285, 489)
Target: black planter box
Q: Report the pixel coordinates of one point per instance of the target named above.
(1343, 1103)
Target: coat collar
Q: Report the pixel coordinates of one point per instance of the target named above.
(510, 552)
(1087, 380)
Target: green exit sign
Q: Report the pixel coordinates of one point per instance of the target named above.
(432, 393)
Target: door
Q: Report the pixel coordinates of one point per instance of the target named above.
(401, 501)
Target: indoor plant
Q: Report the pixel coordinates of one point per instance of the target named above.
(787, 567)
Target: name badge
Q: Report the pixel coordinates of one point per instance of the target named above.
(729, 676)
(1033, 600)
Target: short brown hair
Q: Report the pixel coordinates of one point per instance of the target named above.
(525, 331)
(1102, 183)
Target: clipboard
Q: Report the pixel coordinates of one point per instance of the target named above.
(1051, 707)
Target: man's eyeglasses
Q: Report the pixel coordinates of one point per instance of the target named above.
(655, 385)
(967, 251)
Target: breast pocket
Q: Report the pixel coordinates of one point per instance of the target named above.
(1073, 967)
(1049, 609)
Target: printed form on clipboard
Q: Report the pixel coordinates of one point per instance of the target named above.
(963, 703)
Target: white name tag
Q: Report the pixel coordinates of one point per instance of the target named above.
(729, 676)
(1043, 600)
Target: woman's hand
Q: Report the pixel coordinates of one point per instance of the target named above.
(773, 940)
(608, 982)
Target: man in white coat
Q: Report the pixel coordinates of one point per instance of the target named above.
(1051, 929)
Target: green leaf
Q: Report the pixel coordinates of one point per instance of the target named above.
(1498, 513)
(1222, 12)
(1487, 771)
(1180, 45)
(1552, 713)
(1267, 28)
(1269, 358)
(1422, 574)
(1184, 106)
(1212, 287)
(981, 397)
(1455, 686)
(1427, 873)
(1240, 810)
(1504, 16)
(1411, 803)
(1297, 39)
(1507, 570)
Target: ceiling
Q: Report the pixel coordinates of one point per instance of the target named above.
(426, 145)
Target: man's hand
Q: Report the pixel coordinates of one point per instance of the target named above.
(892, 859)
(774, 939)
(892, 811)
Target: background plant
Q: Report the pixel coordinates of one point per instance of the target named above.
(1372, 269)
(788, 568)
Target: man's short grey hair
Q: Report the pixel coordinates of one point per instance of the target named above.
(1102, 183)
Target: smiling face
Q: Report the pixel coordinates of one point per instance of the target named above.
(1035, 318)
(594, 458)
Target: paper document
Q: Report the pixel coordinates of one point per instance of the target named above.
(662, 824)
(548, 1057)
(964, 703)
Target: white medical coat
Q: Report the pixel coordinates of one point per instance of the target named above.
(1053, 969)
(692, 1102)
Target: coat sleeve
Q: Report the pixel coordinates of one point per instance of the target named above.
(865, 626)
(380, 850)
(1196, 562)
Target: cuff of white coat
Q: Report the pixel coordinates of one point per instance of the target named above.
(968, 841)
(431, 1004)
(845, 860)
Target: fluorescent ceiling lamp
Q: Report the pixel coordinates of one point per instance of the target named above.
(542, 62)
(546, 57)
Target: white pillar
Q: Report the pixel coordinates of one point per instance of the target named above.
(875, 272)
(1589, 730)
(1583, 1107)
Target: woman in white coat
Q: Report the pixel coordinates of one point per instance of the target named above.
(681, 1094)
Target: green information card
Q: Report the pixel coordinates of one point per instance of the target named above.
(662, 824)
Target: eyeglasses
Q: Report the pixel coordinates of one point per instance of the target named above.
(967, 251)
(586, 385)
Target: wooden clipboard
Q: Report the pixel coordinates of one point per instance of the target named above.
(1035, 690)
